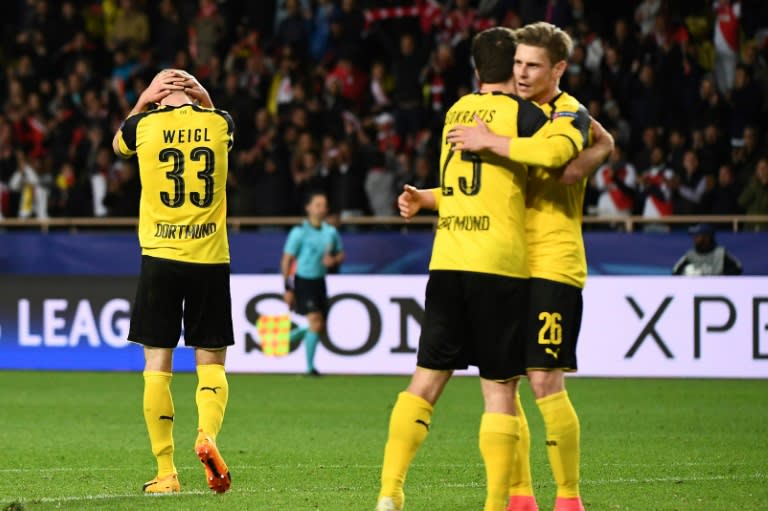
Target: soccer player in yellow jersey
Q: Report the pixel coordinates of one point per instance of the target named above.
(556, 256)
(182, 148)
(478, 281)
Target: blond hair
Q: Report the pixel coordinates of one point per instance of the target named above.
(541, 34)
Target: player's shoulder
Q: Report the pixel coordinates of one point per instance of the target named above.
(133, 120)
(215, 111)
(473, 99)
(564, 103)
(330, 228)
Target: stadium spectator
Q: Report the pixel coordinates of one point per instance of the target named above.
(725, 195)
(676, 147)
(714, 151)
(30, 186)
(129, 29)
(656, 187)
(380, 186)
(649, 142)
(745, 153)
(293, 30)
(645, 15)
(168, 35)
(310, 251)
(123, 191)
(407, 93)
(706, 257)
(746, 102)
(380, 87)
(186, 235)
(754, 198)
(616, 182)
(708, 107)
(691, 187)
(726, 39)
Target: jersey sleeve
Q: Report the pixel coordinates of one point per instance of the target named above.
(542, 151)
(230, 128)
(560, 140)
(336, 241)
(572, 123)
(126, 140)
(293, 243)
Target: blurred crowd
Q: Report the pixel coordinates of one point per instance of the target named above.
(349, 96)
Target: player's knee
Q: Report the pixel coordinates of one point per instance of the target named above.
(546, 383)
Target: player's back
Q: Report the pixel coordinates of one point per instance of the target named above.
(182, 154)
(481, 225)
(554, 210)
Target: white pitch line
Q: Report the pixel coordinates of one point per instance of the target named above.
(587, 482)
(345, 466)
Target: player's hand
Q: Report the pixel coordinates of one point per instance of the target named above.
(409, 202)
(470, 138)
(290, 298)
(328, 260)
(194, 89)
(161, 86)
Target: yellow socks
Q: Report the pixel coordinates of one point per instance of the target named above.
(211, 398)
(499, 433)
(408, 427)
(562, 426)
(158, 414)
(520, 480)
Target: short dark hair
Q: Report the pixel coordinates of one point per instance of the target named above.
(311, 194)
(493, 51)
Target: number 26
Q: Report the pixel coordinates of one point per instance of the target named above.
(551, 332)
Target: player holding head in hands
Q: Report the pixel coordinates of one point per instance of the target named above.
(555, 249)
(182, 147)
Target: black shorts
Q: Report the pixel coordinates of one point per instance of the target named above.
(171, 290)
(474, 319)
(311, 296)
(553, 325)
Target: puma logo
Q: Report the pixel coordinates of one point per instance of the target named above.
(552, 352)
(212, 389)
(426, 425)
(166, 418)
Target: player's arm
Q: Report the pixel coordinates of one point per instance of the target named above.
(547, 149)
(194, 89)
(286, 262)
(412, 200)
(334, 256)
(161, 86)
(549, 145)
(590, 158)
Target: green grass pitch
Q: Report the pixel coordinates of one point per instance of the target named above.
(77, 441)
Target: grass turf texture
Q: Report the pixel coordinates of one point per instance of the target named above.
(77, 441)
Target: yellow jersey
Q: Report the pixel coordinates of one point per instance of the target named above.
(182, 153)
(554, 210)
(481, 199)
